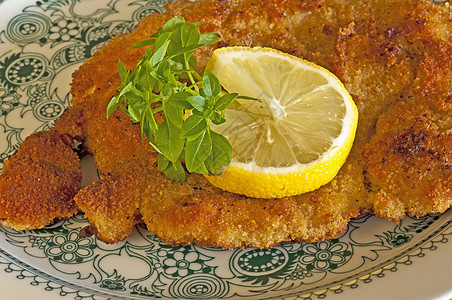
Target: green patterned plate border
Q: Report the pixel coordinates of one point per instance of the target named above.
(41, 44)
(364, 274)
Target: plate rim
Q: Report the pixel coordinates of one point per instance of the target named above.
(362, 277)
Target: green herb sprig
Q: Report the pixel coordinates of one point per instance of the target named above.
(167, 79)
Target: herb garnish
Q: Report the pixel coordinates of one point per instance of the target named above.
(166, 79)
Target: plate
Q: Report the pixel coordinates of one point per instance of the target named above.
(41, 44)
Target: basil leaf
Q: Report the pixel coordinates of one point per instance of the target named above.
(209, 38)
(193, 63)
(145, 80)
(161, 41)
(148, 125)
(217, 118)
(162, 140)
(147, 54)
(147, 132)
(144, 43)
(136, 110)
(194, 125)
(201, 170)
(162, 161)
(123, 72)
(175, 171)
(198, 102)
(174, 114)
(173, 23)
(159, 54)
(113, 105)
(220, 155)
(134, 74)
(189, 34)
(197, 150)
(180, 100)
(164, 71)
(168, 140)
(210, 84)
(198, 23)
(224, 101)
(167, 90)
(149, 118)
(128, 88)
(184, 50)
(176, 141)
(133, 95)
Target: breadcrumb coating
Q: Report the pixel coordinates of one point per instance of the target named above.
(39, 182)
(393, 57)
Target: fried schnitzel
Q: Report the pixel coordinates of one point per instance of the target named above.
(38, 183)
(396, 66)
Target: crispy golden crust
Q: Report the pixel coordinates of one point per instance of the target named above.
(410, 163)
(371, 53)
(194, 211)
(383, 59)
(39, 181)
(399, 65)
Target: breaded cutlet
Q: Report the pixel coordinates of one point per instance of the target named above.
(388, 54)
(39, 181)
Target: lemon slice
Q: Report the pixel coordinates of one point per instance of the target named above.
(297, 138)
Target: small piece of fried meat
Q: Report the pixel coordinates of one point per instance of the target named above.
(39, 182)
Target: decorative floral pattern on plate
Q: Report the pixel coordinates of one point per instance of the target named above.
(39, 49)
